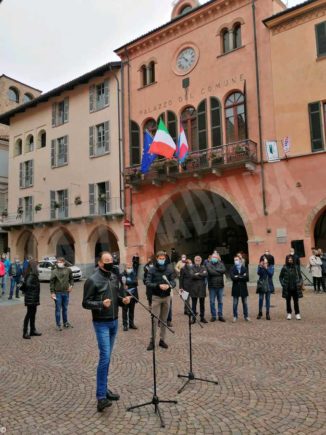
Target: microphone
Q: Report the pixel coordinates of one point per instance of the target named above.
(124, 280)
(166, 280)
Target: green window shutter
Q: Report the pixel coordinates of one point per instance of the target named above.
(91, 98)
(52, 202)
(54, 114)
(316, 132)
(31, 174)
(321, 39)
(216, 123)
(53, 153)
(66, 149)
(108, 196)
(202, 125)
(107, 136)
(66, 203)
(106, 93)
(21, 169)
(66, 110)
(91, 141)
(91, 190)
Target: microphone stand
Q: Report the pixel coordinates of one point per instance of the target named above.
(155, 399)
(191, 376)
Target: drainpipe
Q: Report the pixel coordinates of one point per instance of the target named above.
(129, 122)
(262, 170)
(120, 139)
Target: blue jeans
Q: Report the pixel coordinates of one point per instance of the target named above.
(216, 293)
(105, 334)
(4, 284)
(244, 306)
(267, 301)
(61, 303)
(14, 280)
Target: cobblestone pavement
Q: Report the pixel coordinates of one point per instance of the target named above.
(271, 374)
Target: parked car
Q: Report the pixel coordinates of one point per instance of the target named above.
(46, 266)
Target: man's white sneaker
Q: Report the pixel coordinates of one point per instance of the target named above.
(298, 317)
(247, 319)
(234, 319)
(289, 317)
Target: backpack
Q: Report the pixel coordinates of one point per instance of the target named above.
(2, 269)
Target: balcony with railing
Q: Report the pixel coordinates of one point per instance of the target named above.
(242, 154)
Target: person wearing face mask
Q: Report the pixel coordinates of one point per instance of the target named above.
(197, 287)
(216, 270)
(180, 264)
(291, 282)
(128, 310)
(295, 257)
(61, 284)
(104, 292)
(239, 277)
(315, 267)
(264, 290)
(148, 265)
(32, 299)
(16, 274)
(156, 280)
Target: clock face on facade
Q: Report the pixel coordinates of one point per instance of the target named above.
(186, 60)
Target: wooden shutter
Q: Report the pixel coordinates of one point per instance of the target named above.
(108, 196)
(31, 173)
(321, 39)
(65, 139)
(91, 141)
(202, 125)
(106, 93)
(52, 201)
(21, 175)
(53, 153)
(316, 132)
(66, 110)
(66, 203)
(54, 114)
(107, 136)
(216, 125)
(91, 190)
(91, 98)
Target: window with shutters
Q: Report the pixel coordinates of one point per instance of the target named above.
(60, 112)
(189, 123)
(235, 117)
(225, 36)
(28, 209)
(202, 125)
(99, 198)
(26, 174)
(99, 96)
(321, 39)
(29, 144)
(99, 139)
(316, 125)
(216, 123)
(134, 144)
(59, 152)
(59, 205)
(236, 36)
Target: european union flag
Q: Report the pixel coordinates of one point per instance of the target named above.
(147, 158)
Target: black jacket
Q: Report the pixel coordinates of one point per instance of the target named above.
(239, 282)
(131, 282)
(98, 287)
(193, 280)
(291, 280)
(155, 278)
(215, 274)
(32, 289)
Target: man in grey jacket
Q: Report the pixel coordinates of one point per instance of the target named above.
(216, 270)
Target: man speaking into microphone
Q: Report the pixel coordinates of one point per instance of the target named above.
(103, 293)
(160, 280)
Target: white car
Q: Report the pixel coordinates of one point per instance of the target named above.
(46, 266)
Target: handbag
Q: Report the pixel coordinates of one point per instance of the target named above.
(262, 286)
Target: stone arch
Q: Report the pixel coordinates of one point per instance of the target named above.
(62, 244)
(27, 245)
(313, 217)
(103, 238)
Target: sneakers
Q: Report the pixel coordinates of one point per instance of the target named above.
(67, 325)
(247, 319)
(102, 404)
(163, 344)
(58, 328)
(298, 317)
(112, 396)
(289, 316)
(235, 319)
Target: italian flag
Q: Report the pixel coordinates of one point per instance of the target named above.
(163, 144)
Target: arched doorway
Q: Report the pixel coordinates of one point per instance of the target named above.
(65, 247)
(199, 221)
(104, 240)
(27, 245)
(320, 232)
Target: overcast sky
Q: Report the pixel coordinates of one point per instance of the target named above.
(45, 43)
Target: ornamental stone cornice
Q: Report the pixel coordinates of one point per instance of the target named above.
(174, 29)
(297, 18)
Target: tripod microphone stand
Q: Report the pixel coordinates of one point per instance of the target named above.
(191, 376)
(155, 399)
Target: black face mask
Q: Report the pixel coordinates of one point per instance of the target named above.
(108, 266)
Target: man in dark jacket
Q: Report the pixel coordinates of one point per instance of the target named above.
(16, 274)
(216, 270)
(239, 277)
(103, 293)
(128, 310)
(161, 291)
(61, 284)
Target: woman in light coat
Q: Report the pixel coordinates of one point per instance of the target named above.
(315, 267)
